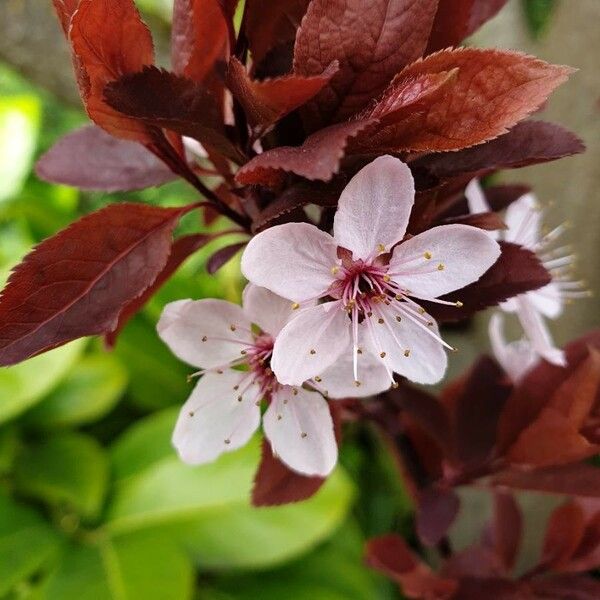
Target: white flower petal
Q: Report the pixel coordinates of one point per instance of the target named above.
(293, 260)
(205, 333)
(547, 300)
(406, 347)
(443, 259)
(374, 208)
(300, 429)
(214, 420)
(310, 343)
(339, 381)
(476, 198)
(516, 358)
(524, 221)
(268, 310)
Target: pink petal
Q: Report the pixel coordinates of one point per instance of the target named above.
(443, 259)
(374, 208)
(339, 381)
(300, 429)
(205, 333)
(293, 260)
(268, 310)
(536, 331)
(547, 300)
(310, 343)
(524, 221)
(405, 347)
(214, 420)
(476, 198)
(516, 358)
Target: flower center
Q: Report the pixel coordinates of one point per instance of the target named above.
(258, 359)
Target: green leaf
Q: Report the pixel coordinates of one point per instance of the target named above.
(335, 571)
(208, 507)
(87, 393)
(26, 543)
(134, 567)
(68, 471)
(23, 385)
(156, 378)
(538, 14)
(19, 127)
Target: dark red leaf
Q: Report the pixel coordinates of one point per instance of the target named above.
(276, 484)
(437, 511)
(538, 387)
(77, 282)
(515, 272)
(317, 159)
(223, 256)
(161, 99)
(571, 587)
(372, 42)
(492, 91)
(199, 37)
(109, 40)
(182, 249)
(576, 479)
(564, 533)
(477, 407)
(525, 144)
(390, 555)
(490, 221)
(507, 529)
(91, 159)
(457, 19)
(267, 101)
(472, 588)
(272, 23)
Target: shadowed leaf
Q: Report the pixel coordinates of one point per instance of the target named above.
(91, 159)
(223, 256)
(438, 509)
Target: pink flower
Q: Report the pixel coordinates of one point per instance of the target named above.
(524, 227)
(367, 281)
(223, 411)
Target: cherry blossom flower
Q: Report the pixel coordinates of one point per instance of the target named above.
(516, 358)
(367, 282)
(524, 227)
(223, 411)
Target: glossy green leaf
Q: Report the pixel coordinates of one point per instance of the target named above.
(25, 384)
(136, 567)
(156, 378)
(27, 542)
(69, 470)
(19, 126)
(86, 394)
(208, 507)
(538, 14)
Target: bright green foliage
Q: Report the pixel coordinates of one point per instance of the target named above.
(538, 14)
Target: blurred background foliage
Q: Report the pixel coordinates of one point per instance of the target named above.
(94, 503)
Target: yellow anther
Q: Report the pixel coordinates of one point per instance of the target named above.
(295, 306)
(318, 379)
(294, 391)
(428, 255)
(421, 310)
(380, 248)
(335, 270)
(357, 383)
(459, 304)
(359, 351)
(387, 278)
(395, 385)
(312, 351)
(398, 318)
(380, 321)
(236, 387)
(382, 354)
(303, 435)
(398, 297)
(204, 338)
(441, 267)
(279, 417)
(243, 352)
(454, 349)
(369, 314)
(407, 353)
(232, 327)
(191, 413)
(239, 399)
